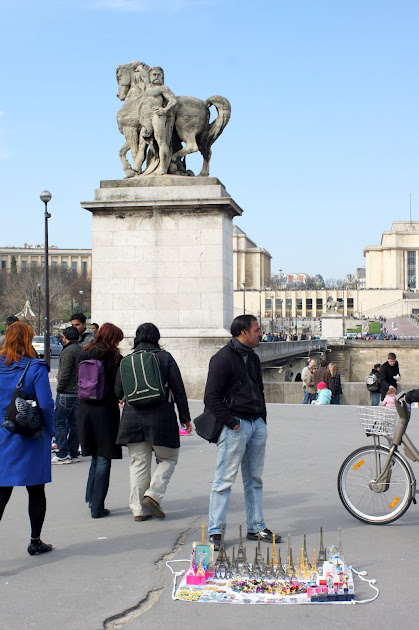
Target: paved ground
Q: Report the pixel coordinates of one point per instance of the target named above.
(109, 573)
(403, 327)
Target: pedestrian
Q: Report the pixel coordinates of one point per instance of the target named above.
(389, 374)
(153, 429)
(307, 376)
(373, 385)
(234, 394)
(390, 398)
(66, 402)
(336, 384)
(94, 328)
(85, 336)
(11, 319)
(324, 395)
(309, 383)
(25, 461)
(99, 419)
(323, 375)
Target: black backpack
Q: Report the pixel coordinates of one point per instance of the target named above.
(373, 384)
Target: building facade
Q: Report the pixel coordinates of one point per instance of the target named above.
(33, 256)
(251, 264)
(394, 263)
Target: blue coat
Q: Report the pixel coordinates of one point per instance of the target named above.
(26, 461)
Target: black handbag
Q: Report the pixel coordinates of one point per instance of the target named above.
(208, 427)
(23, 416)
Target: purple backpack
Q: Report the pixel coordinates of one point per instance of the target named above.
(91, 379)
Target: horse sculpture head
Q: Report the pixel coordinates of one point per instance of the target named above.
(130, 75)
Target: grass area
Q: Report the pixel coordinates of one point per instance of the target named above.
(374, 327)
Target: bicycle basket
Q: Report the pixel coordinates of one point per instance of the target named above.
(378, 420)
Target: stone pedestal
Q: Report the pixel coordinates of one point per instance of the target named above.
(333, 328)
(162, 251)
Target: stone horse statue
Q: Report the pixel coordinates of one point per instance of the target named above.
(192, 130)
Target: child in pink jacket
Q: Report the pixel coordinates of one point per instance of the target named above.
(390, 399)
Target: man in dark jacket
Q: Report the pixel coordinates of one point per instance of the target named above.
(322, 374)
(234, 394)
(78, 320)
(389, 374)
(66, 402)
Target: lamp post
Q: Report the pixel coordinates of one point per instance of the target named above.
(260, 308)
(272, 310)
(81, 301)
(280, 308)
(39, 308)
(46, 196)
(244, 297)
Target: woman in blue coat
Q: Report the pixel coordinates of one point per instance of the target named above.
(25, 461)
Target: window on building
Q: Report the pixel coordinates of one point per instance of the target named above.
(54, 264)
(34, 264)
(3, 264)
(74, 265)
(309, 307)
(319, 306)
(299, 305)
(63, 264)
(288, 307)
(84, 267)
(411, 270)
(268, 307)
(278, 305)
(23, 264)
(350, 304)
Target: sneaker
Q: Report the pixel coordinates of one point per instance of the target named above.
(38, 547)
(75, 458)
(215, 539)
(61, 460)
(265, 535)
(54, 448)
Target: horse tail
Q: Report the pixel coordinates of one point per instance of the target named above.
(213, 131)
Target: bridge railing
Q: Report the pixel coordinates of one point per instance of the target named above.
(271, 350)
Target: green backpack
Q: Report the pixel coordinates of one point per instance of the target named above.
(142, 379)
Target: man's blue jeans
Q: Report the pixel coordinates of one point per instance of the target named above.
(66, 427)
(375, 399)
(98, 483)
(306, 399)
(245, 447)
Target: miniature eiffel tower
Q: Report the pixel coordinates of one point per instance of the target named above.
(258, 555)
(241, 551)
(274, 558)
(306, 571)
(305, 550)
(313, 564)
(322, 550)
(222, 561)
(289, 569)
(340, 546)
(280, 572)
(290, 552)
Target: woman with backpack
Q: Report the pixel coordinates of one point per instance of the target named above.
(25, 461)
(98, 412)
(151, 427)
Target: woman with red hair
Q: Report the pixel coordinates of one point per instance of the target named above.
(99, 419)
(25, 461)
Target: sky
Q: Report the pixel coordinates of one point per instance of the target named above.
(321, 151)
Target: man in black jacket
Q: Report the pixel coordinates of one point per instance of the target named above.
(66, 402)
(234, 394)
(389, 374)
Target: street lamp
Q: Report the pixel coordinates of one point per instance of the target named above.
(39, 308)
(244, 297)
(46, 196)
(272, 310)
(280, 308)
(81, 301)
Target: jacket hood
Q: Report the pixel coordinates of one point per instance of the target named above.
(18, 365)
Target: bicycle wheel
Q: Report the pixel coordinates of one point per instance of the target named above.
(357, 472)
